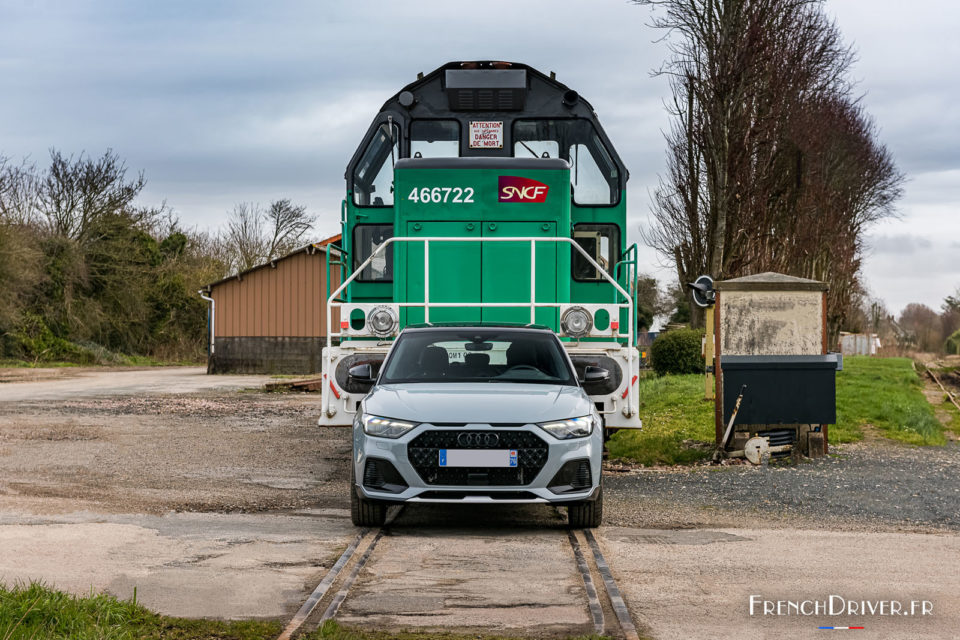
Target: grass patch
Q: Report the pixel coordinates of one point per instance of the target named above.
(35, 612)
(675, 419)
(118, 360)
(888, 394)
(330, 630)
(954, 414)
(883, 392)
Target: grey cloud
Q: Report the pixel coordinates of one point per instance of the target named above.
(901, 244)
(224, 101)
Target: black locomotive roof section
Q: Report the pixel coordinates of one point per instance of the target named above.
(513, 91)
(488, 162)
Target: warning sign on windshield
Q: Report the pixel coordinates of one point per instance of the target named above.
(486, 134)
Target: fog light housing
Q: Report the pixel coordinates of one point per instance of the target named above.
(381, 475)
(573, 477)
(576, 322)
(382, 321)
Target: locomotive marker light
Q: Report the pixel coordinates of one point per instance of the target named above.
(383, 321)
(576, 322)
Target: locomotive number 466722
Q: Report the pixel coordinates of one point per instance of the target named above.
(455, 195)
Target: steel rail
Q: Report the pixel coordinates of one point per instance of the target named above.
(304, 612)
(351, 577)
(593, 601)
(613, 592)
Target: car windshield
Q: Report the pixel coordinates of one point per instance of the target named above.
(477, 355)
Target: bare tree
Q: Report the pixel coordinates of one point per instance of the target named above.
(923, 326)
(289, 224)
(764, 136)
(256, 235)
(75, 193)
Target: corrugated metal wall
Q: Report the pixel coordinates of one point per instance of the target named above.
(286, 300)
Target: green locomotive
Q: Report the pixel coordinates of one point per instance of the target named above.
(485, 192)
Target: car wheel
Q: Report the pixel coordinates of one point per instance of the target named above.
(586, 515)
(364, 512)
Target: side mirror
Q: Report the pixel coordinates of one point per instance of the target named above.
(361, 373)
(595, 374)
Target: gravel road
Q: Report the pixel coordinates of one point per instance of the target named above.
(206, 498)
(875, 485)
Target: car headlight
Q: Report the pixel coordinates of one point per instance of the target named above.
(566, 429)
(385, 427)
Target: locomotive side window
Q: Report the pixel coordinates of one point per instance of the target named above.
(434, 139)
(373, 177)
(594, 177)
(591, 170)
(366, 239)
(602, 243)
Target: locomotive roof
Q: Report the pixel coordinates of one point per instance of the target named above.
(489, 90)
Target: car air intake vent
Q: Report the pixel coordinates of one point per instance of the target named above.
(486, 89)
(493, 495)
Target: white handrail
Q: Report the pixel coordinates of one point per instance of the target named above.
(426, 304)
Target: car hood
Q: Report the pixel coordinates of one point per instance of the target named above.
(471, 402)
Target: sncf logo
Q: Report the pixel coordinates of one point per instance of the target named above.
(517, 189)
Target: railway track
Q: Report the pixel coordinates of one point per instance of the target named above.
(608, 612)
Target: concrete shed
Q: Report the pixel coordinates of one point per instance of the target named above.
(272, 318)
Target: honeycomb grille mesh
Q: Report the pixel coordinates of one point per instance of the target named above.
(424, 455)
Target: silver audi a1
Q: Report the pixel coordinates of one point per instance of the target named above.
(476, 414)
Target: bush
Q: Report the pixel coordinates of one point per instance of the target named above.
(952, 345)
(678, 352)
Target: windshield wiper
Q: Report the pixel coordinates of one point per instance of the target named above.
(525, 146)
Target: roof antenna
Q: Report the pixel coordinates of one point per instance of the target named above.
(553, 75)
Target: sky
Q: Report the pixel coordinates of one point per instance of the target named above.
(225, 102)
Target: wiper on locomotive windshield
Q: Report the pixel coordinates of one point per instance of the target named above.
(527, 147)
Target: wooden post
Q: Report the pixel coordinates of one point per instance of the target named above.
(717, 371)
(824, 427)
(708, 385)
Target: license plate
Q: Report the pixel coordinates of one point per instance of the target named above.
(478, 457)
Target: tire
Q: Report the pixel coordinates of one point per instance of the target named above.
(586, 515)
(364, 512)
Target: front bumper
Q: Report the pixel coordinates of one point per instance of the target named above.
(533, 490)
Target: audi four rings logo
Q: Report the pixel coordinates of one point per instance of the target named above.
(478, 439)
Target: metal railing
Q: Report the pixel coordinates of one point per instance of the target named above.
(427, 304)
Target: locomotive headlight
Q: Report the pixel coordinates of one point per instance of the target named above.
(576, 322)
(383, 322)
(385, 427)
(566, 429)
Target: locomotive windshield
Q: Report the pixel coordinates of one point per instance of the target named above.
(593, 173)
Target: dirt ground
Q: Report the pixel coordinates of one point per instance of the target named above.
(219, 501)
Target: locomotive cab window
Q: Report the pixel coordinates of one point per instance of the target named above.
(366, 239)
(434, 139)
(373, 176)
(602, 243)
(594, 177)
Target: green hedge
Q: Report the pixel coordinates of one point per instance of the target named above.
(678, 351)
(952, 345)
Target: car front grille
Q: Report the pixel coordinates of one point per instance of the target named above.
(424, 455)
